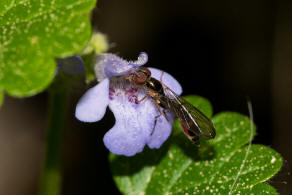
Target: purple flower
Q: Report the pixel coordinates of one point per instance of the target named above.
(134, 119)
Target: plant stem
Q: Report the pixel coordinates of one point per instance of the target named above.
(58, 101)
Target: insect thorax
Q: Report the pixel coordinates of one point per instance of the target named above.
(155, 85)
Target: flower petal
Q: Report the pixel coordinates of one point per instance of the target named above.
(162, 130)
(134, 125)
(130, 132)
(92, 106)
(110, 65)
(142, 59)
(167, 79)
(124, 140)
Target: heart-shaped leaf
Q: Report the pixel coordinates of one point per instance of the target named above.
(179, 167)
(33, 33)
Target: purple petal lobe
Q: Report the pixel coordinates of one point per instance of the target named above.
(142, 59)
(92, 106)
(124, 140)
(128, 136)
(162, 130)
(167, 80)
(134, 124)
(110, 65)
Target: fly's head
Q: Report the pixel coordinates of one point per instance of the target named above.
(138, 76)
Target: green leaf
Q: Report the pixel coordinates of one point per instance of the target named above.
(201, 103)
(98, 44)
(1, 98)
(180, 167)
(33, 33)
(261, 189)
(89, 66)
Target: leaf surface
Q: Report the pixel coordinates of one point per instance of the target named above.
(180, 167)
(33, 34)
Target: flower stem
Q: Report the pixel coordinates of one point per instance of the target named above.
(58, 102)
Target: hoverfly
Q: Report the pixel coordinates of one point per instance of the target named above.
(193, 122)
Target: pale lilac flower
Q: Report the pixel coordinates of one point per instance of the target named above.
(134, 120)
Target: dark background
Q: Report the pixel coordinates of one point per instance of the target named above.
(221, 50)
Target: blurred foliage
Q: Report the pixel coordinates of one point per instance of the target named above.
(180, 167)
(97, 44)
(1, 98)
(33, 33)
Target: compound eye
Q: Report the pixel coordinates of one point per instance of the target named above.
(146, 70)
(140, 78)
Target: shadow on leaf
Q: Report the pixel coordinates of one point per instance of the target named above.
(122, 165)
(127, 166)
(201, 152)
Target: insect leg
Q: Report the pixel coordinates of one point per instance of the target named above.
(142, 99)
(164, 113)
(157, 106)
(156, 117)
(155, 121)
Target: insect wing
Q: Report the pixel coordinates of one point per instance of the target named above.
(193, 121)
